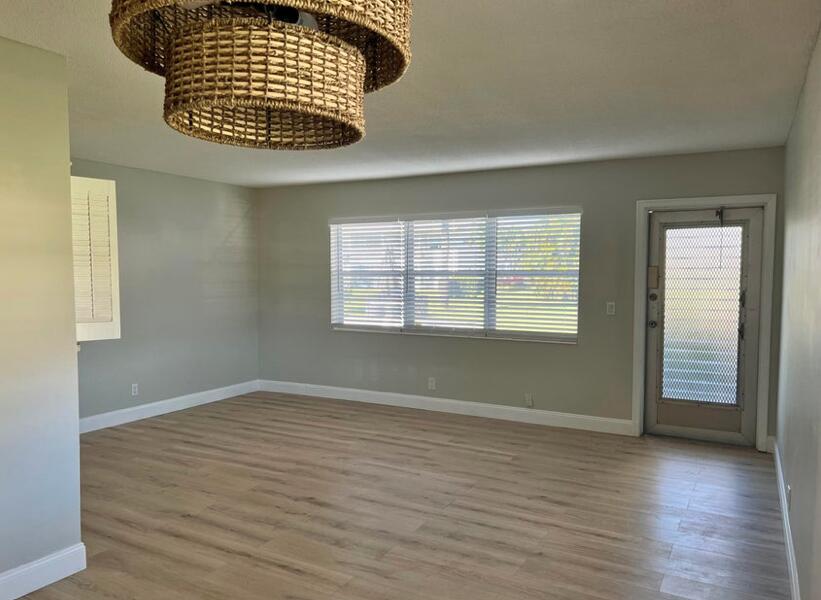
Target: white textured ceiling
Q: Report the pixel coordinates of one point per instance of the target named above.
(493, 84)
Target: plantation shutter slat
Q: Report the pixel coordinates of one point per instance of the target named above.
(96, 289)
(496, 276)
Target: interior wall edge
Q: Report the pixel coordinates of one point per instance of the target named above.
(39, 445)
(785, 519)
(42, 572)
(799, 410)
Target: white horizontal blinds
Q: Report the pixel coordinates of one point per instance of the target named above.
(368, 274)
(537, 273)
(93, 265)
(511, 275)
(448, 273)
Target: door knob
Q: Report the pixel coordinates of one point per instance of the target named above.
(653, 324)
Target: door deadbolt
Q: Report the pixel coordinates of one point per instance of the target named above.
(653, 297)
(653, 324)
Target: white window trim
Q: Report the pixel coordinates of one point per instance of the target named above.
(111, 330)
(539, 210)
(511, 336)
(484, 334)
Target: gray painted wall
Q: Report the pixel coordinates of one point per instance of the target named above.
(39, 440)
(593, 377)
(188, 291)
(799, 411)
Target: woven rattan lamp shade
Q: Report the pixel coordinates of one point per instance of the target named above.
(235, 75)
(249, 82)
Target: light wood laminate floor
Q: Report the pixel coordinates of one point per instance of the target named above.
(271, 497)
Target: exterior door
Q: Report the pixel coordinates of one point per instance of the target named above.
(704, 289)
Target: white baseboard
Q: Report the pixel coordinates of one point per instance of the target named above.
(154, 409)
(44, 571)
(459, 407)
(785, 517)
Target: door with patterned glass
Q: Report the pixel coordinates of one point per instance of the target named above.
(704, 289)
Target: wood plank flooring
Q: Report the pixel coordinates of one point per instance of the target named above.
(270, 496)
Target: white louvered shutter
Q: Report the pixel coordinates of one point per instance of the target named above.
(96, 279)
(537, 273)
(368, 274)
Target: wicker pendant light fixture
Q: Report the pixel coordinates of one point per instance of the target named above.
(276, 74)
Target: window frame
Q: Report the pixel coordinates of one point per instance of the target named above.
(456, 332)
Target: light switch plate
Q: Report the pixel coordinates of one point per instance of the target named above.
(611, 308)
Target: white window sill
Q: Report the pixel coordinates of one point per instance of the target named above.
(510, 336)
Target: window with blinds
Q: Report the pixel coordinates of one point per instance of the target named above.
(496, 275)
(94, 239)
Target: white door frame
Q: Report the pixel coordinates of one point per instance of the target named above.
(643, 209)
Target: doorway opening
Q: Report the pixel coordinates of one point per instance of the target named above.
(704, 286)
(704, 280)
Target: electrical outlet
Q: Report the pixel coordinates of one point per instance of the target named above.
(432, 384)
(789, 498)
(529, 400)
(135, 389)
(611, 308)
